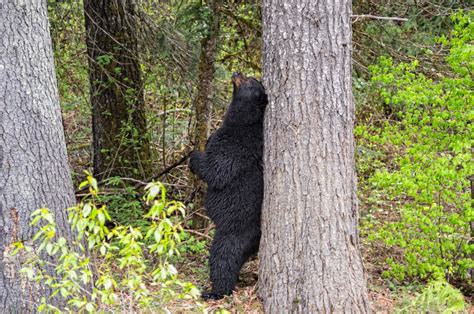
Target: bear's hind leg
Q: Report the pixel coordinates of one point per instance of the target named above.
(228, 253)
(225, 261)
(252, 243)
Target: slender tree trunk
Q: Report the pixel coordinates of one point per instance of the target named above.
(309, 256)
(204, 104)
(34, 171)
(121, 143)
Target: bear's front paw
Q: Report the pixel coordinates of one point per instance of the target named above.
(193, 162)
(211, 296)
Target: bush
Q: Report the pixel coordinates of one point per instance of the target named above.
(121, 278)
(437, 297)
(427, 162)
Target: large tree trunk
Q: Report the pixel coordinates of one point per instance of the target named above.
(34, 171)
(310, 259)
(203, 104)
(121, 142)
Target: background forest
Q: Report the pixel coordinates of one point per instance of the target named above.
(412, 83)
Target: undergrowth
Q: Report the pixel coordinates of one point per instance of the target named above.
(424, 165)
(124, 269)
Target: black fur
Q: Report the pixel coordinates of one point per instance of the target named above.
(232, 168)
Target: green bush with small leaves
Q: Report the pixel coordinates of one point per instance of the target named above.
(425, 149)
(437, 297)
(108, 270)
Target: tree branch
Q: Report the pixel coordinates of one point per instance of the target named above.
(370, 16)
(141, 183)
(167, 169)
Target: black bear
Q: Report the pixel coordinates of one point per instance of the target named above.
(231, 165)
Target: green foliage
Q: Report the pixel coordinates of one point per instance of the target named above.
(241, 37)
(426, 158)
(195, 19)
(462, 49)
(437, 297)
(104, 269)
(191, 244)
(124, 204)
(402, 40)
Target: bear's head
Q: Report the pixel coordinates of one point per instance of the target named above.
(248, 101)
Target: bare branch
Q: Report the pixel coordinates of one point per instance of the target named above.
(370, 16)
(198, 233)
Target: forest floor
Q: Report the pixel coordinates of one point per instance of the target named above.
(384, 297)
(245, 300)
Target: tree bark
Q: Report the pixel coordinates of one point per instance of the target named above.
(120, 139)
(309, 256)
(203, 104)
(34, 171)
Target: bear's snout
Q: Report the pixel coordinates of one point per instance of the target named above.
(238, 78)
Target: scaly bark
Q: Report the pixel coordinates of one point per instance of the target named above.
(34, 171)
(309, 255)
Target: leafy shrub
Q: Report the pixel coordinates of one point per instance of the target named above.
(124, 203)
(437, 297)
(192, 245)
(428, 162)
(121, 278)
